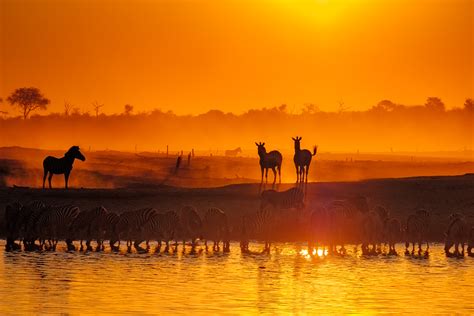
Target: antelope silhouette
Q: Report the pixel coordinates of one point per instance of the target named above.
(53, 165)
(302, 159)
(271, 160)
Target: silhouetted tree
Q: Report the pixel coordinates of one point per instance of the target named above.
(97, 108)
(128, 109)
(67, 108)
(309, 108)
(434, 104)
(3, 112)
(469, 105)
(386, 105)
(28, 100)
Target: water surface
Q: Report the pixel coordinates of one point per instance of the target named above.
(287, 281)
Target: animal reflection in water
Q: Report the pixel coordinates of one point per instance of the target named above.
(327, 229)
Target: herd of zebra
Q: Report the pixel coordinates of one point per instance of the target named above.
(328, 229)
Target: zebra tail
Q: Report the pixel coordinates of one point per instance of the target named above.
(315, 150)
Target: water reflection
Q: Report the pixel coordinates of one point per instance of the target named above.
(286, 281)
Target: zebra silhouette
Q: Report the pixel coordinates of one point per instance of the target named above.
(302, 160)
(271, 160)
(53, 165)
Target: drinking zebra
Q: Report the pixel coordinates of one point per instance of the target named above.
(271, 160)
(302, 160)
(457, 234)
(110, 233)
(416, 231)
(259, 226)
(53, 165)
(216, 228)
(291, 198)
(31, 213)
(372, 232)
(89, 225)
(191, 225)
(392, 230)
(54, 224)
(161, 227)
(12, 217)
(129, 226)
(319, 234)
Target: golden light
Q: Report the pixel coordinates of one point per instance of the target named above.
(315, 253)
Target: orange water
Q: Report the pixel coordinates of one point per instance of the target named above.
(287, 281)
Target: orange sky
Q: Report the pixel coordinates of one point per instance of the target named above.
(192, 56)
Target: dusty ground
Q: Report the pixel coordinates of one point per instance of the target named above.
(441, 195)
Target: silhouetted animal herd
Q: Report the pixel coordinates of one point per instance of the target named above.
(37, 226)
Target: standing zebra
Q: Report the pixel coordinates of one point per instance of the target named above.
(55, 223)
(416, 231)
(216, 229)
(457, 234)
(302, 160)
(129, 226)
(372, 232)
(291, 198)
(53, 165)
(233, 152)
(271, 160)
(258, 225)
(191, 225)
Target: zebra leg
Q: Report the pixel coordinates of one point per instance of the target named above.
(307, 171)
(462, 249)
(49, 179)
(274, 175)
(266, 175)
(44, 176)
(66, 178)
(88, 245)
(279, 174)
(297, 174)
(261, 169)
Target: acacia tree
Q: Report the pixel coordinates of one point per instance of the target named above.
(97, 108)
(469, 105)
(434, 104)
(128, 109)
(28, 100)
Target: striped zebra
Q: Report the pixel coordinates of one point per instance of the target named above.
(392, 232)
(162, 227)
(12, 217)
(416, 231)
(110, 233)
(291, 198)
(319, 230)
(88, 225)
(24, 216)
(372, 232)
(31, 214)
(191, 225)
(53, 165)
(216, 228)
(129, 226)
(260, 226)
(457, 234)
(55, 224)
(345, 221)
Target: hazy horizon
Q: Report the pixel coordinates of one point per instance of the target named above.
(194, 56)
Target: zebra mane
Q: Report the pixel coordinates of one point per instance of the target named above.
(72, 150)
